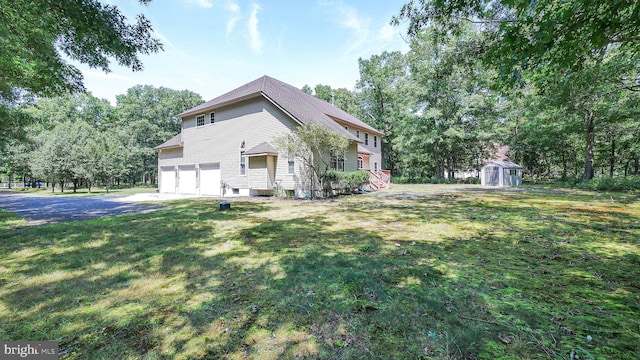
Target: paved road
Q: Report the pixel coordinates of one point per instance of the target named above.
(39, 210)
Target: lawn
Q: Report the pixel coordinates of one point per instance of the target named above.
(418, 271)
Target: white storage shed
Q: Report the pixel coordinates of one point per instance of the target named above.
(501, 173)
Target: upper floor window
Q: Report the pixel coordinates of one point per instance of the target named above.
(346, 128)
(213, 117)
(375, 141)
(358, 134)
(291, 164)
(200, 120)
(366, 139)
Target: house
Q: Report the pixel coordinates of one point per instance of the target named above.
(226, 145)
(501, 173)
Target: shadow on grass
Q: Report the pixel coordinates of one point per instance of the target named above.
(363, 279)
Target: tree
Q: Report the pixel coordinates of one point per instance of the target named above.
(317, 148)
(548, 42)
(147, 116)
(36, 35)
(383, 98)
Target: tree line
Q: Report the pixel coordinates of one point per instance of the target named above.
(82, 140)
(557, 83)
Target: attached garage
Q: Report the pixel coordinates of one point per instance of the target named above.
(187, 179)
(210, 179)
(168, 180)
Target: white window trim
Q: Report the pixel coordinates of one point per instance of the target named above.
(291, 165)
(203, 119)
(366, 139)
(212, 117)
(243, 161)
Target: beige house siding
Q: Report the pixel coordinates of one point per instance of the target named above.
(252, 122)
(375, 147)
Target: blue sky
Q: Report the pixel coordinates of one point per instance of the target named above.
(213, 46)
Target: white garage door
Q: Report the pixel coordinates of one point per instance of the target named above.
(187, 179)
(210, 179)
(167, 180)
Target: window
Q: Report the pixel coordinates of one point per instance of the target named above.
(346, 128)
(243, 164)
(358, 134)
(199, 120)
(375, 141)
(375, 166)
(338, 163)
(360, 162)
(291, 164)
(213, 117)
(366, 139)
(242, 145)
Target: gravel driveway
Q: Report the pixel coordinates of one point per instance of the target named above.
(39, 210)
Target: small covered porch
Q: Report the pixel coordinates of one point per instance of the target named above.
(261, 174)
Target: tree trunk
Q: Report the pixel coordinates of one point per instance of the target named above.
(61, 186)
(636, 165)
(612, 159)
(588, 154)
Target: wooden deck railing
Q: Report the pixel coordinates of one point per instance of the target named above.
(380, 179)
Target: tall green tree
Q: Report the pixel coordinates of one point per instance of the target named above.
(147, 116)
(37, 35)
(547, 42)
(382, 99)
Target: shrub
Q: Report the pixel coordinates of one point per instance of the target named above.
(346, 182)
(612, 184)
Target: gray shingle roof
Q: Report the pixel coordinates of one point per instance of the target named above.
(174, 142)
(301, 106)
(504, 164)
(263, 149)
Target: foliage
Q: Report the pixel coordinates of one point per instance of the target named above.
(416, 272)
(578, 54)
(347, 182)
(37, 35)
(435, 180)
(80, 138)
(146, 115)
(317, 148)
(631, 183)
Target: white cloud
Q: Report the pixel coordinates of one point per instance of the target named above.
(234, 9)
(255, 39)
(201, 3)
(387, 32)
(349, 18)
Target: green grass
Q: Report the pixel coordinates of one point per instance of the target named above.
(415, 272)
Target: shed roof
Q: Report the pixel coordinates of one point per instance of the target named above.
(504, 164)
(302, 107)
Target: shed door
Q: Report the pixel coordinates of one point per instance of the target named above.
(187, 179)
(210, 179)
(492, 176)
(167, 180)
